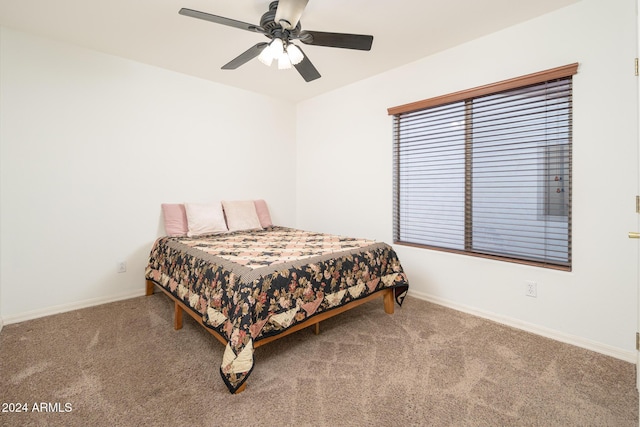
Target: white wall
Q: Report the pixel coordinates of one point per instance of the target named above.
(91, 145)
(344, 141)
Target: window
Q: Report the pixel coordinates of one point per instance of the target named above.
(487, 171)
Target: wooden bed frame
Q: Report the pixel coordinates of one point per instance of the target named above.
(180, 307)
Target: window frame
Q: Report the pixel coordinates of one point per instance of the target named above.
(514, 83)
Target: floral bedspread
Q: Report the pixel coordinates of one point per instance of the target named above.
(250, 285)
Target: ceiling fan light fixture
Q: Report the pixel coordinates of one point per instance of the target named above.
(295, 54)
(284, 63)
(266, 57)
(277, 46)
(274, 50)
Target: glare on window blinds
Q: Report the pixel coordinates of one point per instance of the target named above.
(488, 175)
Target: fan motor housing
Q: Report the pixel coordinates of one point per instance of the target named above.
(274, 29)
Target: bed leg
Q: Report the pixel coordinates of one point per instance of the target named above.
(150, 288)
(316, 329)
(177, 317)
(388, 301)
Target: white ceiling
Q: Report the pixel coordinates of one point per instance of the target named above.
(152, 32)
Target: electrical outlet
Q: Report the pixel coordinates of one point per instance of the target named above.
(122, 267)
(531, 289)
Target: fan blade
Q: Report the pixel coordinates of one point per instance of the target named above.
(306, 69)
(289, 12)
(346, 41)
(245, 57)
(221, 20)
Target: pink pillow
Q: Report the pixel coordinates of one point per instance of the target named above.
(175, 219)
(263, 213)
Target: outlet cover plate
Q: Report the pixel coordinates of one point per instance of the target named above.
(531, 289)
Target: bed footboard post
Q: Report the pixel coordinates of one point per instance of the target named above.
(177, 317)
(387, 299)
(150, 288)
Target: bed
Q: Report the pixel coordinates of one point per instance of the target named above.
(250, 287)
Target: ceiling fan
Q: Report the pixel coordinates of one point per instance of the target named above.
(281, 24)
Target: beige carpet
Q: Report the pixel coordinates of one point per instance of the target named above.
(122, 364)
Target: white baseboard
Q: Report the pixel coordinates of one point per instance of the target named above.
(48, 311)
(628, 356)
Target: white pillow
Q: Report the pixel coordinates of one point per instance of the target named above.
(204, 218)
(241, 215)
